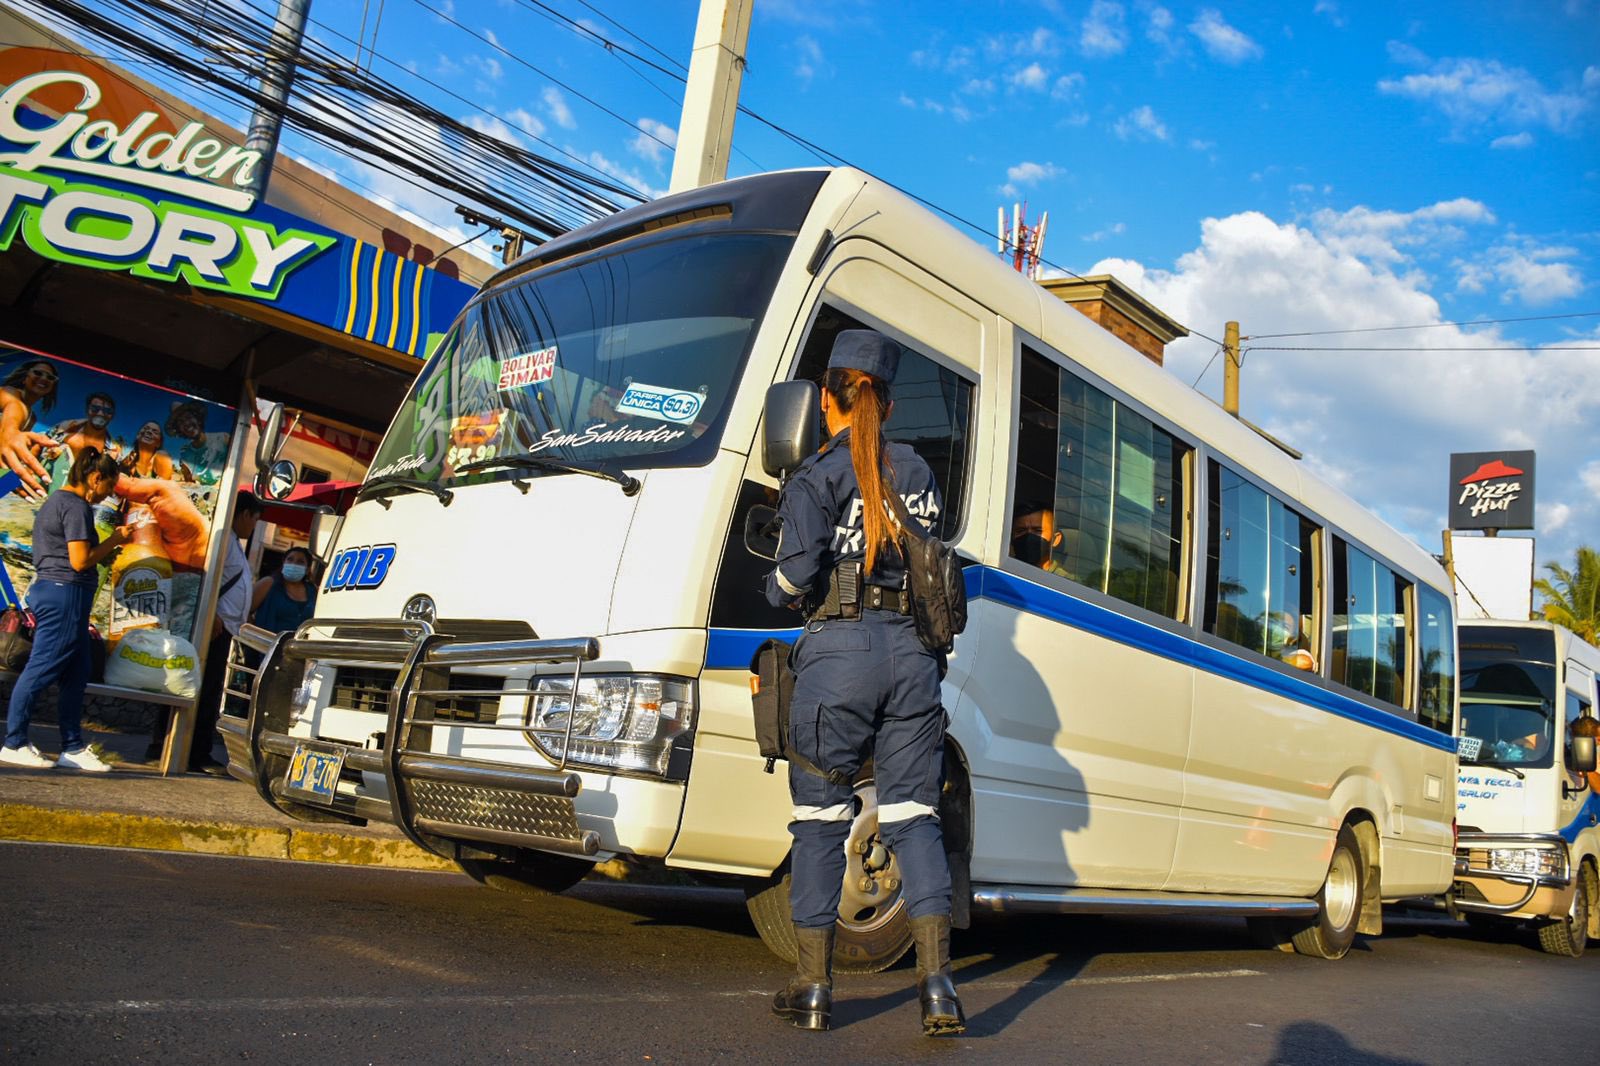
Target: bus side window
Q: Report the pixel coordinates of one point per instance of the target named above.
(932, 409)
(1260, 577)
(1369, 624)
(1436, 697)
(1099, 491)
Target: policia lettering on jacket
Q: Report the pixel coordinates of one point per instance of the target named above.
(865, 685)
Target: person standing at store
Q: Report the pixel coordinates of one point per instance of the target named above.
(287, 598)
(864, 683)
(66, 552)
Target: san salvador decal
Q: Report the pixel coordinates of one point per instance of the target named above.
(360, 568)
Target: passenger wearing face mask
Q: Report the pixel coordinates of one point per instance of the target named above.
(287, 598)
(1035, 538)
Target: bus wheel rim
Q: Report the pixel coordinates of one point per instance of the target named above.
(1341, 890)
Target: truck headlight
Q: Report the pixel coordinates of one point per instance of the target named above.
(1530, 862)
(619, 722)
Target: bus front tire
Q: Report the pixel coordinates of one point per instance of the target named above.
(531, 873)
(858, 947)
(1568, 936)
(1339, 902)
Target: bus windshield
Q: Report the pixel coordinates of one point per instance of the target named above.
(1508, 696)
(625, 359)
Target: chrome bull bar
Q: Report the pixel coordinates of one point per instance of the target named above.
(436, 800)
(1530, 884)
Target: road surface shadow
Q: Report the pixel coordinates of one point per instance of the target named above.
(1315, 1044)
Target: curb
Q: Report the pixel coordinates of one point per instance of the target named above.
(27, 823)
(53, 825)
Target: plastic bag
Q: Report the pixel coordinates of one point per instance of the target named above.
(155, 661)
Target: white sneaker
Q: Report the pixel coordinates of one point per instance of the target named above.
(85, 761)
(27, 756)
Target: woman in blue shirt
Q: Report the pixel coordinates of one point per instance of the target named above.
(288, 597)
(66, 551)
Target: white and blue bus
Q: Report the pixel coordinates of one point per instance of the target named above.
(1195, 678)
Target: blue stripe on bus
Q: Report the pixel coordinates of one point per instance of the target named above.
(731, 649)
(1586, 816)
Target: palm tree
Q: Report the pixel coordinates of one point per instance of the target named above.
(1572, 597)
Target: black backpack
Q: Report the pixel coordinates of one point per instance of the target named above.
(937, 591)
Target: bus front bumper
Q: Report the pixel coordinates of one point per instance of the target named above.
(1512, 875)
(437, 800)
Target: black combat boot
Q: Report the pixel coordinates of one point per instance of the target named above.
(807, 1000)
(941, 1009)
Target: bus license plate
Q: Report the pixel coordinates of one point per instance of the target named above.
(313, 774)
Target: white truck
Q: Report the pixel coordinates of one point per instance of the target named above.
(1529, 844)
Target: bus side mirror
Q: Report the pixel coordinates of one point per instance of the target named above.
(1580, 755)
(761, 532)
(791, 426)
(325, 526)
(267, 446)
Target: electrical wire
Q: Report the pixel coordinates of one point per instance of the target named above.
(1425, 325)
(1424, 348)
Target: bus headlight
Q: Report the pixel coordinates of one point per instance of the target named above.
(625, 722)
(1530, 862)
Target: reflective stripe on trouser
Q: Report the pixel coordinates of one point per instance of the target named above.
(863, 689)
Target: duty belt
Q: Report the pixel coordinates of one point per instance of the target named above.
(847, 597)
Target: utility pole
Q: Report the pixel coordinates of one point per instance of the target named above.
(711, 97)
(277, 75)
(1230, 369)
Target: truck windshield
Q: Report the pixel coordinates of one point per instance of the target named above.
(1508, 695)
(627, 359)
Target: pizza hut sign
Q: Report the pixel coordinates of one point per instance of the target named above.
(1491, 490)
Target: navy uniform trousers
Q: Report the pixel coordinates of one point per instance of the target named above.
(866, 688)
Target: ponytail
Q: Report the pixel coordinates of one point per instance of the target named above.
(89, 461)
(866, 400)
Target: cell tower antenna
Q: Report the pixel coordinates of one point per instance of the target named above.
(1021, 243)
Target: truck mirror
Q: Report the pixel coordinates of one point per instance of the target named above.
(791, 426)
(1580, 755)
(325, 526)
(761, 532)
(267, 446)
(278, 480)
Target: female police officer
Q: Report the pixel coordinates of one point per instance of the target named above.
(864, 683)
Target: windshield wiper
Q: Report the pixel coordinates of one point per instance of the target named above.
(393, 484)
(530, 461)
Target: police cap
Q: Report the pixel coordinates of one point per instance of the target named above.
(865, 350)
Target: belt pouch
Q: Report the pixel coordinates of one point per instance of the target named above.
(771, 689)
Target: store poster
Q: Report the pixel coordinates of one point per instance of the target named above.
(172, 449)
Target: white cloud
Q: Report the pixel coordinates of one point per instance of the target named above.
(1513, 140)
(627, 177)
(809, 60)
(1041, 42)
(1032, 77)
(1330, 10)
(1104, 31)
(1356, 412)
(1067, 87)
(1524, 272)
(1223, 42)
(1116, 229)
(654, 141)
(1475, 92)
(494, 127)
(556, 104)
(1028, 174)
(526, 121)
(1143, 124)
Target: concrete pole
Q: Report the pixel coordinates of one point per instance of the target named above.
(1230, 369)
(277, 75)
(711, 97)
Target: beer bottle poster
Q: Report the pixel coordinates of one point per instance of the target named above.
(171, 449)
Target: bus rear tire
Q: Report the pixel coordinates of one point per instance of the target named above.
(531, 873)
(1339, 902)
(1570, 935)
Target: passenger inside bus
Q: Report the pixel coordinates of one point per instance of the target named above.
(1289, 639)
(1035, 538)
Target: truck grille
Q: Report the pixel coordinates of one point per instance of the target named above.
(363, 688)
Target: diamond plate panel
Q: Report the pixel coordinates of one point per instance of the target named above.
(496, 808)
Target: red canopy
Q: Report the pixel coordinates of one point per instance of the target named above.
(335, 494)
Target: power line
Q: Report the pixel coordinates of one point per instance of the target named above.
(1424, 348)
(1213, 359)
(1425, 325)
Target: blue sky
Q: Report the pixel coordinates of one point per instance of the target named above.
(1298, 166)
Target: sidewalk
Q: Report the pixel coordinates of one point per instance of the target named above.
(135, 807)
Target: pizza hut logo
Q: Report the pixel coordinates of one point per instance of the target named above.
(1494, 486)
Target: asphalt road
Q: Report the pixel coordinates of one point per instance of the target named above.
(122, 956)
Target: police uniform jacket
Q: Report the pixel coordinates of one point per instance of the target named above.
(821, 520)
